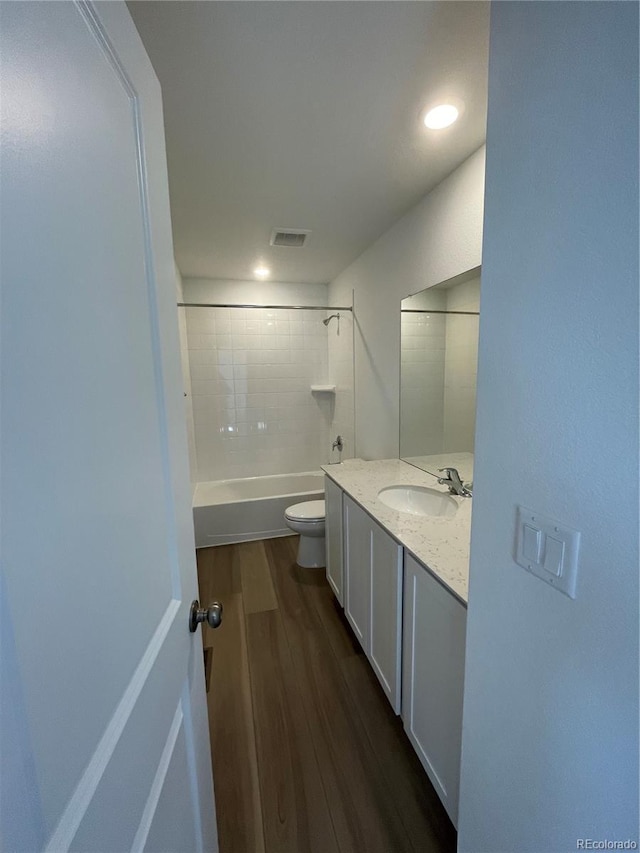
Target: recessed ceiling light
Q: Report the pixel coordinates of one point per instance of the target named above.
(441, 116)
(262, 272)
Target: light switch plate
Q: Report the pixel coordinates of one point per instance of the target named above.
(547, 549)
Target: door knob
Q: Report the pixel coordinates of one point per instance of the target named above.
(212, 615)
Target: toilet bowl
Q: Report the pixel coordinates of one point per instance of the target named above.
(307, 519)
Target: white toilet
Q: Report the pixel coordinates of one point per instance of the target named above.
(307, 519)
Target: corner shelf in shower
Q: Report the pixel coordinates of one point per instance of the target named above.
(323, 389)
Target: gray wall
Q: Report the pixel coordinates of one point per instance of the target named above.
(550, 741)
(436, 240)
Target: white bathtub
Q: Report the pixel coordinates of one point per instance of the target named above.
(226, 511)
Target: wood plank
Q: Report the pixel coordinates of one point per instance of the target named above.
(282, 555)
(308, 754)
(343, 641)
(231, 728)
(295, 811)
(365, 815)
(286, 574)
(208, 660)
(218, 572)
(423, 815)
(257, 587)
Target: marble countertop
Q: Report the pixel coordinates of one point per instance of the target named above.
(442, 544)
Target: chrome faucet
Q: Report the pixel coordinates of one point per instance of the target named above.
(337, 443)
(455, 484)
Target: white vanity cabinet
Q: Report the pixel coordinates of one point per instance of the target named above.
(410, 620)
(333, 536)
(434, 628)
(373, 595)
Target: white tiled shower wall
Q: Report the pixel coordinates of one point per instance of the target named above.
(251, 376)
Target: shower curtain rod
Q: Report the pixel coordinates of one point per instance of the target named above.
(439, 311)
(237, 305)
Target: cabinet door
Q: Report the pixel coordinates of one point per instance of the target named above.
(357, 555)
(386, 612)
(333, 533)
(433, 678)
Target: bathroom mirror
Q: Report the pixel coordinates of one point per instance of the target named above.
(438, 367)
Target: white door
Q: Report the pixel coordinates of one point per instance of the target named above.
(104, 733)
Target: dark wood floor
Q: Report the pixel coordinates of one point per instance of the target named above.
(307, 753)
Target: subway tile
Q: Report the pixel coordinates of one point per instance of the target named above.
(202, 356)
(253, 322)
(280, 423)
(203, 372)
(238, 322)
(257, 401)
(253, 341)
(203, 387)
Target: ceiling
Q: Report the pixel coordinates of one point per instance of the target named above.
(307, 115)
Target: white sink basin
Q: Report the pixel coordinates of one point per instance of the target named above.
(418, 500)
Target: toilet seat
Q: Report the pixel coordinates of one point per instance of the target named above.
(309, 511)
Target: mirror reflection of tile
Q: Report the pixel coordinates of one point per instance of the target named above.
(439, 356)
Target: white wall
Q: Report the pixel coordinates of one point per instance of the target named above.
(550, 741)
(437, 239)
(186, 381)
(340, 373)
(252, 371)
(255, 292)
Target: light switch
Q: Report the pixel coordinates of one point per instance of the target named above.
(553, 555)
(531, 544)
(548, 550)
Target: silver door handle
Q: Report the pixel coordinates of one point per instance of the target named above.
(212, 615)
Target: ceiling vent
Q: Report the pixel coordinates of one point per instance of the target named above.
(290, 238)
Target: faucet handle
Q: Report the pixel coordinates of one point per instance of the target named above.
(455, 483)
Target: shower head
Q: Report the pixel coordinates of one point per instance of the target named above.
(326, 322)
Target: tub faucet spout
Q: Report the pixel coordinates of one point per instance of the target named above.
(337, 443)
